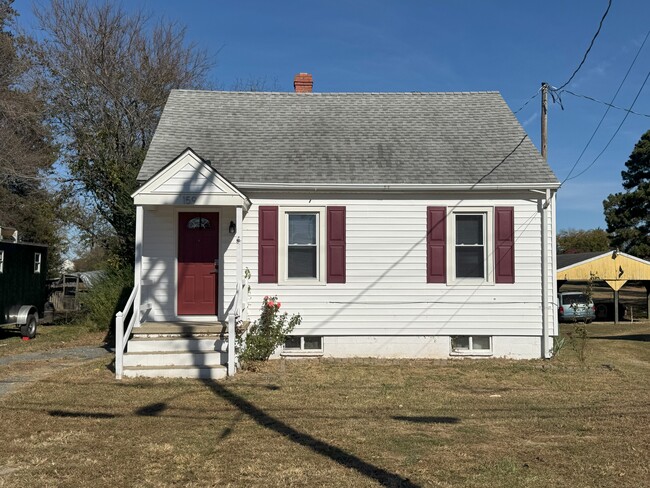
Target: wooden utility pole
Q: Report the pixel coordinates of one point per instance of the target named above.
(544, 116)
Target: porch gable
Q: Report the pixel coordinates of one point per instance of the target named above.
(189, 180)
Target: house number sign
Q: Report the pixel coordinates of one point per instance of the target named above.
(188, 199)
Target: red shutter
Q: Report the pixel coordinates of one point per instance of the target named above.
(436, 242)
(504, 245)
(336, 244)
(268, 245)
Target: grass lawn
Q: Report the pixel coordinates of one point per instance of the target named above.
(346, 423)
(48, 337)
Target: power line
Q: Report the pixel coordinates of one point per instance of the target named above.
(528, 101)
(613, 135)
(593, 39)
(604, 103)
(607, 110)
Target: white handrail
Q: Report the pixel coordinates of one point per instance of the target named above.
(122, 337)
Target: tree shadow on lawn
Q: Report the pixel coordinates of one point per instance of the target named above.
(427, 420)
(93, 415)
(630, 337)
(336, 454)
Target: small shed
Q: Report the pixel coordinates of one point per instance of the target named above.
(66, 291)
(613, 267)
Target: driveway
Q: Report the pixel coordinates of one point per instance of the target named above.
(42, 364)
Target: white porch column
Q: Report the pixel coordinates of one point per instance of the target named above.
(240, 260)
(137, 279)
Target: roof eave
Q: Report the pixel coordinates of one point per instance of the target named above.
(395, 186)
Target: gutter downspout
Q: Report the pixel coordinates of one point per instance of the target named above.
(545, 334)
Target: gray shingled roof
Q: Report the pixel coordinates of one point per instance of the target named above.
(349, 138)
(564, 260)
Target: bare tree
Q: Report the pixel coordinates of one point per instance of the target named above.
(25, 142)
(106, 74)
(26, 148)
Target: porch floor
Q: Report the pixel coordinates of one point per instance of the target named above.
(182, 329)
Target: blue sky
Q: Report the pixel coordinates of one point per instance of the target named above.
(461, 45)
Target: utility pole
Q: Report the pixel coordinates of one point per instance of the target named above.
(544, 116)
(545, 244)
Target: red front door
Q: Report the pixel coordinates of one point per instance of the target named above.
(198, 253)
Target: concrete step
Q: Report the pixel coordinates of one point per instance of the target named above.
(175, 344)
(205, 372)
(182, 358)
(181, 329)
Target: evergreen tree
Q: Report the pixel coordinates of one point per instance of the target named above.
(628, 213)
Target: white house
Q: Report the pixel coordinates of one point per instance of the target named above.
(412, 225)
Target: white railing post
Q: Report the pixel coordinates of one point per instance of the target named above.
(119, 344)
(231, 344)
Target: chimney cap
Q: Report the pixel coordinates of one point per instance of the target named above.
(303, 83)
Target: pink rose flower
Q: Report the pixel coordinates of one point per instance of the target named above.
(279, 304)
(270, 303)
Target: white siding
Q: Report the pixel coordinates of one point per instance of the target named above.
(159, 260)
(386, 293)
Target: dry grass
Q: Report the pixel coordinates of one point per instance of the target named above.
(48, 337)
(345, 423)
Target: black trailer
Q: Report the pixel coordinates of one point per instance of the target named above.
(23, 290)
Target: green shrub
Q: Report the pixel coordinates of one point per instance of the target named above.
(106, 297)
(267, 333)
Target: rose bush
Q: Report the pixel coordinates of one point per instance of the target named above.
(267, 333)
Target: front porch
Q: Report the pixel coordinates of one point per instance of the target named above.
(189, 275)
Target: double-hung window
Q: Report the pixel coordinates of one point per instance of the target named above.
(302, 245)
(470, 246)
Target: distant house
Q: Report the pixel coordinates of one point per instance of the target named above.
(397, 224)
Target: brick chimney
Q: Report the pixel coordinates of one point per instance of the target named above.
(303, 83)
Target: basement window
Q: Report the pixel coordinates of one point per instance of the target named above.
(303, 345)
(471, 345)
(37, 262)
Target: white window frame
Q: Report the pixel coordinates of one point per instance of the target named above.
(488, 245)
(2, 261)
(37, 263)
(302, 351)
(471, 351)
(283, 254)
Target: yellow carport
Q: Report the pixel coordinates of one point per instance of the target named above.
(613, 267)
